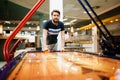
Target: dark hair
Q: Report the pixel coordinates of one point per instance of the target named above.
(55, 11)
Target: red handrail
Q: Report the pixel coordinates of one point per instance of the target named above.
(18, 28)
(12, 50)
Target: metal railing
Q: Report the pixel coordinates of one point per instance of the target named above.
(6, 50)
(108, 43)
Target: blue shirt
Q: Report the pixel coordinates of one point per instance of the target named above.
(53, 31)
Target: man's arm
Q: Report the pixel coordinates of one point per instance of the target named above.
(44, 42)
(62, 40)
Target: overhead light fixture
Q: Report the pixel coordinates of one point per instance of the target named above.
(116, 19)
(1, 29)
(28, 23)
(68, 28)
(29, 27)
(72, 30)
(7, 22)
(44, 21)
(78, 29)
(38, 28)
(111, 21)
(86, 12)
(65, 19)
(8, 27)
(73, 20)
(67, 23)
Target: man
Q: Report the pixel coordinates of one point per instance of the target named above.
(51, 29)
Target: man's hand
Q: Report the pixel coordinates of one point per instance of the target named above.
(46, 51)
(62, 50)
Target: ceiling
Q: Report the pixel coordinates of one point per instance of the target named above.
(15, 10)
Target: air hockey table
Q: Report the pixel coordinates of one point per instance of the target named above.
(35, 65)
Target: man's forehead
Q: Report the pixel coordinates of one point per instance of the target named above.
(55, 13)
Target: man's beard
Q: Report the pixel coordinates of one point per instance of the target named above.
(55, 21)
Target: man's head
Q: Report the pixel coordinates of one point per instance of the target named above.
(55, 14)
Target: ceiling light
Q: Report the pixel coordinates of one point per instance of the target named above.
(65, 19)
(7, 22)
(78, 29)
(116, 19)
(38, 28)
(72, 30)
(73, 20)
(111, 21)
(28, 23)
(86, 12)
(44, 21)
(67, 23)
(29, 27)
(68, 28)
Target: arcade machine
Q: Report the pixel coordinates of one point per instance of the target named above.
(68, 65)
